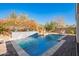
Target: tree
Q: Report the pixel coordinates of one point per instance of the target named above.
(3, 30)
(51, 26)
(60, 22)
(71, 30)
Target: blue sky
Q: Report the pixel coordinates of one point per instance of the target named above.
(41, 13)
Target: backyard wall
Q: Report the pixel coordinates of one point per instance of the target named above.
(20, 35)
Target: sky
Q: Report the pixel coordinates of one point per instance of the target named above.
(41, 12)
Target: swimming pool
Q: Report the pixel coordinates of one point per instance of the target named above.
(36, 45)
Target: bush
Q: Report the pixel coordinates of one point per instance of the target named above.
(71, 30)
(51, 26)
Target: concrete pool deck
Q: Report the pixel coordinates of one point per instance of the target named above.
(68, 48)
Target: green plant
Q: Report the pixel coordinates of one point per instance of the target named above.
(51, 26)
(71, 30)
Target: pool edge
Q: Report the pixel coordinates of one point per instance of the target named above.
(53, 49)
(19, 50)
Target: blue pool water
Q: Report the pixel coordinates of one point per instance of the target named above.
(36, 45)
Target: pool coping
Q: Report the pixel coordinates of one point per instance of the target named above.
(53, 49)
(61, 37)
(49, 52)
(18, 49)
